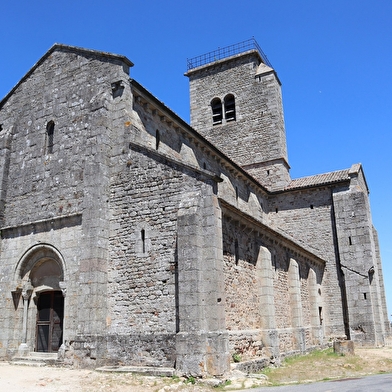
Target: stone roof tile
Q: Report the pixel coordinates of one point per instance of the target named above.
(319, 179)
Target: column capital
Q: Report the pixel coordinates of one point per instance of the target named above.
(27, 290)
(63, 287)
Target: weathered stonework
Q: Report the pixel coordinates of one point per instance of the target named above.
(129, 237)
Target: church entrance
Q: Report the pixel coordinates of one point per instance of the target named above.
(49, 330)
(40, 282)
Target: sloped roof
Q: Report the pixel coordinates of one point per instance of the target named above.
(319, 179)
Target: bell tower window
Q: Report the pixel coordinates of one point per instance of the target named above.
(217, 115)
(230, 108)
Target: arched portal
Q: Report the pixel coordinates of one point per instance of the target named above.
(40, 276)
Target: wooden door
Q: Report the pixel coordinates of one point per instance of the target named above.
(49, 331)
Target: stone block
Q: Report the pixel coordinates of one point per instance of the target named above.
(343, 347)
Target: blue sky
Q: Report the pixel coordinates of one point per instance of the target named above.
(333, 57)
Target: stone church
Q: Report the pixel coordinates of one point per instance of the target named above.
(129, 237)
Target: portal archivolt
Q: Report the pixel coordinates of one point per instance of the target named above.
(39, 278)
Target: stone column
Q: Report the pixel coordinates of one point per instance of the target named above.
(62, 349)
(26, 294)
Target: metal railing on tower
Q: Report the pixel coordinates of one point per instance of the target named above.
(228, 51)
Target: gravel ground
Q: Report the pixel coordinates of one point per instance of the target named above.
(17, 378)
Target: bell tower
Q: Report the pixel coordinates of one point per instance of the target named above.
(236, 104)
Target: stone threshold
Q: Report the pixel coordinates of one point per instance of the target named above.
(36, 359)
(146, 370)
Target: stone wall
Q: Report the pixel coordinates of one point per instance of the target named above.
(142, 289)
(381, 289)
(307, 216)
(145, 201)
(360, 261)
(158, 179)
(272, 300)
(47, 184)
(66, 89)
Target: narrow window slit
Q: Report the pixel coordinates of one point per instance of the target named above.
(236, 252)
(321, 315)
(49, 137)
(157, 139)
(143, 235)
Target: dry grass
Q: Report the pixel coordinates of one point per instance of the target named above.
(325, 365)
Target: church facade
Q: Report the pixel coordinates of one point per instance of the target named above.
(129, 237)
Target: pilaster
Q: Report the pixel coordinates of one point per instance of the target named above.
(202, 340)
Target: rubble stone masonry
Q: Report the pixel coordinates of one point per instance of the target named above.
(129, 237)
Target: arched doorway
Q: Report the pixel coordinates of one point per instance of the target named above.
(41, 275)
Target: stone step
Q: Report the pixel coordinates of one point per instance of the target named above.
(35, 359)
(43, 355)
(24, 362)
(147, 370)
